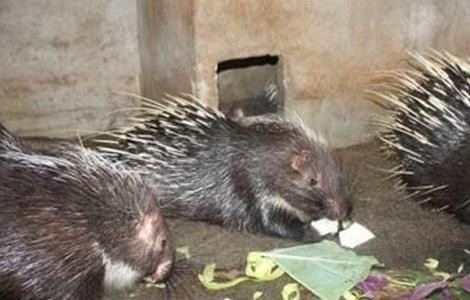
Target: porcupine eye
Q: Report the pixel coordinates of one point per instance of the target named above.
(313, 181)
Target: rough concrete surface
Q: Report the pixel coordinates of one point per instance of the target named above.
(330, 51)
(406, 235)
(62, 62)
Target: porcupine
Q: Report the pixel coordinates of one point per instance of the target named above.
(265, 176)
(428, 131)
(74, 226)
(9, 141)
(266, 103)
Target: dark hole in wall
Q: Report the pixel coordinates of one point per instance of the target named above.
(239, 63)
(250, 85)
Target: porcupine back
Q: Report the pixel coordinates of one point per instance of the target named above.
(10, 142)
(244, 176)
(429, 131)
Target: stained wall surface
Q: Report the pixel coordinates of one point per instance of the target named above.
(166, 43)
(64, 63)
(331, 51)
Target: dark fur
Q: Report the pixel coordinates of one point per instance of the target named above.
(9, 141)
(227, 172)
(58, 215)
(266, 103)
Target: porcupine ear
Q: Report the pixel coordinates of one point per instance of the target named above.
(299, 161)
(149, 218)
(148, 226)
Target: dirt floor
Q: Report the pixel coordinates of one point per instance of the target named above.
(406, 235)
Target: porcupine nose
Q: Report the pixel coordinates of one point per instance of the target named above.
(165, 263)
(339, 210)
(164, 245)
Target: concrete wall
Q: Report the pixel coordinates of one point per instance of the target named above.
(61, 63)
(166, 41)
(331, 51)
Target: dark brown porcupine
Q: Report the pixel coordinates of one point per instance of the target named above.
(268, 175)
(73, 226)
(428, 131)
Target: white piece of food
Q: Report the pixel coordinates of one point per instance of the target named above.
(355, 235)
(325, 226)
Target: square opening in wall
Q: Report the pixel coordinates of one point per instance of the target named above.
(250, 86)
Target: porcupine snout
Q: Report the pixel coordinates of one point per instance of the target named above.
(338, 209)
(155, 233)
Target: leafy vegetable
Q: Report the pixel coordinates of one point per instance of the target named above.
(373, 283)
(262, 268)
(184, 251)
(291, 292)
(424, 290)
(208, 275)
(431, 264)
(465, 283)
(352, 296)
(257, 295)
(324, 268)
(258, 268)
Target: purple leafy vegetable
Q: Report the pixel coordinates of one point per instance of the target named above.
(446, 294)
(424, 290)
(465, 283)
(373, 283)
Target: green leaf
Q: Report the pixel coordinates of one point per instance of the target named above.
(324, 268)
(291, 292)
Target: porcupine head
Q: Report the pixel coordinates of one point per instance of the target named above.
(141, 243)
(306, 178)
(127, 222)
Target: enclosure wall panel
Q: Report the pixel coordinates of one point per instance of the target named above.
(63, 64)
(332, 51)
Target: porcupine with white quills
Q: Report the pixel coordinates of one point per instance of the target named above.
(428, 131)
(268, 175)
(73, 226)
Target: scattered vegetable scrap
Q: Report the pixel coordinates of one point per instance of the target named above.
(413, 285)
(324, 268)
(325, 226)
(291, 292)
(355, 235)
(329, 271)
(184, 251)
(352, 236)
